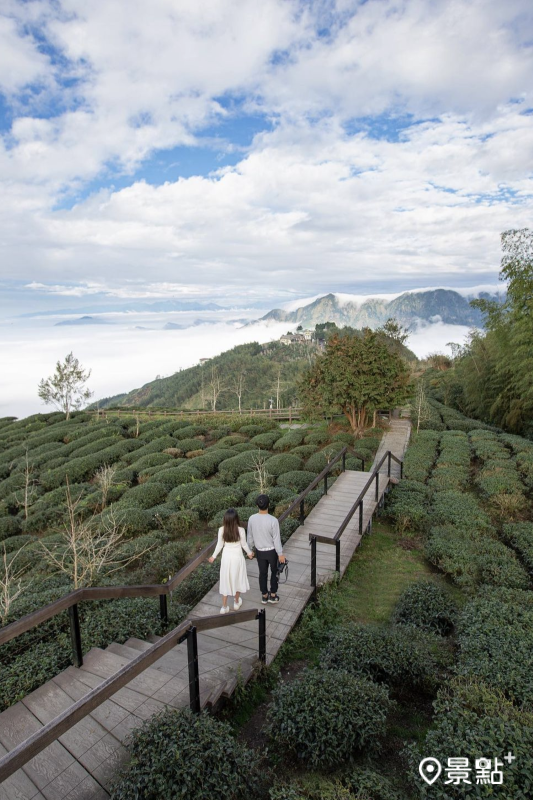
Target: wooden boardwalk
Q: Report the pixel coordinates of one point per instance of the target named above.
(82, 762)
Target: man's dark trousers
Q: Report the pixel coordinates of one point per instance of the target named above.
(266, 558)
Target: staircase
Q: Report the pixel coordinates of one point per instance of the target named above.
(81, 763)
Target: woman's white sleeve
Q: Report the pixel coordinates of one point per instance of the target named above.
(244, 545)
(220, 543)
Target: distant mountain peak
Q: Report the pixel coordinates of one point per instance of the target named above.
(409, 308)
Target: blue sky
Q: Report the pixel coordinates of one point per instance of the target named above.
(259, 152)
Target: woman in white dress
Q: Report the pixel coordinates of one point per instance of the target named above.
(233, 577)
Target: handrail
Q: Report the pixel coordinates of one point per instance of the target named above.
(245, 412)
(35, 743)
(101, 593)
(71, 600)
(335, 540)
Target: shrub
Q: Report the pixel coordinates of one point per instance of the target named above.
(476, 720)
(212, 501)
(229, 441)
(196, 586)
(152, 460)
(187, 445)
(366, 784)
(277, 465)
(180, 523)
(290, 440)
(420, 456)
(231, 468)
(298, 480)
(287, 528)
(169, 754)
(165, 561)
(9, 526)
(244, 447)
(186, 491)
(266, 440)
(324, 716)
(80, 469)
(188, 431)
(133, 519)
(390, 655)
(472, 558)
(253, 430)
(495, 636)
(409, 506)
(170, 478)
(144, 496)
(156, 446)
(426, 606)
(304, 450)
(520, 536)
(208, 461)
(317, 437)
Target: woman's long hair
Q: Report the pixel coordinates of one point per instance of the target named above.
(231, 526)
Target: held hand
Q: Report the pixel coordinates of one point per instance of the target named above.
(281, 559)
(211, 560)
(250, 555)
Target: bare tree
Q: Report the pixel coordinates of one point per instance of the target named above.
(88, 546)
(421, 406)
(262, 475)
(216, 385)
(25, 497)
(10, 583)
(237, 386)
(66, 387)
(137, 425)
(105, 479)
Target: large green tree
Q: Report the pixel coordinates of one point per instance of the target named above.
(356, 375)
(492, 376)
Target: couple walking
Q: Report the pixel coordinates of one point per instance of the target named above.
(263, 532)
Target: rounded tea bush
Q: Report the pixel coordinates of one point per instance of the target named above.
(298, 480)
(426, 606)
(179, 754)
(325, 716)
(388, 655)
(277, 465)
(212, 501)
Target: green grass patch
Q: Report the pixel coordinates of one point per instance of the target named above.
(377, 575)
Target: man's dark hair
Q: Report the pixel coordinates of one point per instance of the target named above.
(262, 502)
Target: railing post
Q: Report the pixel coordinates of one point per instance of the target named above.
(377, 486)
(401, 469)
(344, 461)
(325, 484)
(302, 512)
(361, 518)
(290, 414)
(338, 556)
(389, 460)
(362, 465)
(163, 608)
(262, 636)
(194, 674)
(75, 635)
(313, 562)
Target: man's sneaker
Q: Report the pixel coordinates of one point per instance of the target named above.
(264, 599)
(224, 610)
(273, 598)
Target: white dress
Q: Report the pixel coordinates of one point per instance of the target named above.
(233, 576)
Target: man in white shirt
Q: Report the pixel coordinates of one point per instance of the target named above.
(264, 534)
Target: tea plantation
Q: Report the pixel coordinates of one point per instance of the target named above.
(162, 486)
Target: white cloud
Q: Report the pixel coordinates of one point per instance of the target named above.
(309, 208)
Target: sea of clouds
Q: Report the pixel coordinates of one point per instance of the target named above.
(123, 358)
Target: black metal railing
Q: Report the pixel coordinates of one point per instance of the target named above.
(314, 538)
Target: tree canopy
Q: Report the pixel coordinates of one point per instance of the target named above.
(356, 375)
(66, 387)
(492, 374)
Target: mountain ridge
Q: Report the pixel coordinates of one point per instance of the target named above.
(408, 308)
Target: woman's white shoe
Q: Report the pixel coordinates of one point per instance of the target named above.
(224, 610)
(237, 604)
